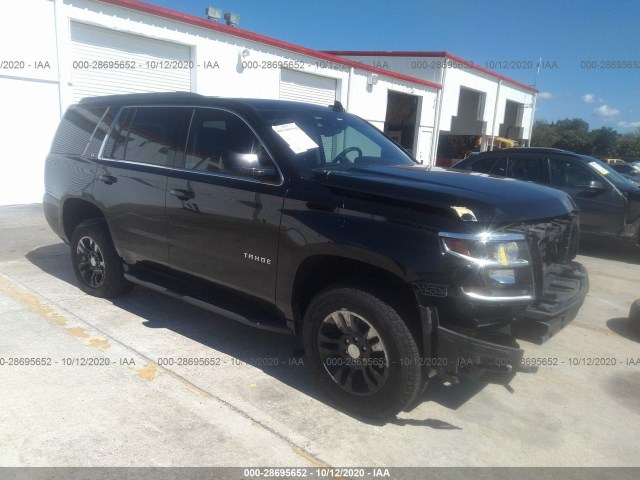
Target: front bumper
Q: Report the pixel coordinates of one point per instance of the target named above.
(564, 290)
(485, 361)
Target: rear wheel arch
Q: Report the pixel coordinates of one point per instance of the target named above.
(96, 264)
(75, 211)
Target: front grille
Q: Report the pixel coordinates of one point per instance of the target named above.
(555, 240)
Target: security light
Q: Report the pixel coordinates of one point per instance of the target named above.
(213, 13)
(232, 19)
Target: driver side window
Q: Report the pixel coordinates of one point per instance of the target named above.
(221, 142)
(564, 173)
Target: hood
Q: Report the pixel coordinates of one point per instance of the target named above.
(467, 194)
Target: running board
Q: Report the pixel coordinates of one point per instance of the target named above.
(231, 310)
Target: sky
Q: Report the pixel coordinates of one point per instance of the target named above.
(590, 50)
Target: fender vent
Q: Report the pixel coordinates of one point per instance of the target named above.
(431, 289)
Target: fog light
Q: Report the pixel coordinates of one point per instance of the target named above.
(502, 278)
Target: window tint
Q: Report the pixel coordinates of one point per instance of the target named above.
(525, 168)
(570, 174)
(93, 148)
(221, 142)
(331, 133)
(363, 149)
(75, 129)
(156, 135)
(491, 165)
(118, 139)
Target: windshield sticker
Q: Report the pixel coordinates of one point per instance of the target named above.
(599, 168)
(297, 140)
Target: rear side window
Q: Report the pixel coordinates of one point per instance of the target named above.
(149, 135)
(525, 168)
(93, 148)
(491, 165)
(76, 128)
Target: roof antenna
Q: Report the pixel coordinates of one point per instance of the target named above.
(337, 107)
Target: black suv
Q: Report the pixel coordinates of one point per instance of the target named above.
(609, 203)
(308, 220)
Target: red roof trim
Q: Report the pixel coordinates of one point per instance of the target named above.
(450, 56)
(237, 32)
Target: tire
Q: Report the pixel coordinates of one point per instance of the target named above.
(634, 312)
(96, 263)
(378, 374)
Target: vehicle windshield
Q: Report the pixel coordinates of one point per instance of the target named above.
(610, 174)
(333, 141)
(626, 169)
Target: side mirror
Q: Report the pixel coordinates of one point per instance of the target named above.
(596, 185)
(247, 164)
(259, 172)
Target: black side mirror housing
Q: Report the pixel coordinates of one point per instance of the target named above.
(247, 164)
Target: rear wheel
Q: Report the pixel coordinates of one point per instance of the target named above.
(634, 312)
(96, 263)
(361, 351)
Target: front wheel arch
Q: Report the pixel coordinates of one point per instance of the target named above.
(403, 377)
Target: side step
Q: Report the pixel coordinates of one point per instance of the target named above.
(228, 308)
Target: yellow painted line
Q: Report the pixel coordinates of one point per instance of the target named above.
(595, 328)
(77, 332)
(46, 312)
(310, 458)
(149, 371)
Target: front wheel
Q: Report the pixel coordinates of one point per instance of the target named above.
(361, 351)
(96, 263)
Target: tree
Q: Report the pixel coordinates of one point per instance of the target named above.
(629, 145)
(574, 135)
(543, 134)
(604, 142)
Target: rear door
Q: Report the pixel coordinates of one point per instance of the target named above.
(527, 167)
(224, 205)
(601, 205)
(131, 179)
(492, 164)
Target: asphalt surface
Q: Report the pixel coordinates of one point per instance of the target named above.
(118, 387)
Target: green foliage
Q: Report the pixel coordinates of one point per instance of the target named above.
(573, 134)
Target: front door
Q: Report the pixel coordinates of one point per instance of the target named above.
(224, 204)
(601, 205)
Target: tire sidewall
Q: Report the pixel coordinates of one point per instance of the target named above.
(113, 276)
(403, 358)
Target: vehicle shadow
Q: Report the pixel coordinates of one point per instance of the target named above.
(610, 249)
(625, 327)
(277, 355)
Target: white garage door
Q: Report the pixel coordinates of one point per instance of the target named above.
(97, 52)
(307, 88)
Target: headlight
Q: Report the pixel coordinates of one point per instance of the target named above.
(500, 250)
(502, 261)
